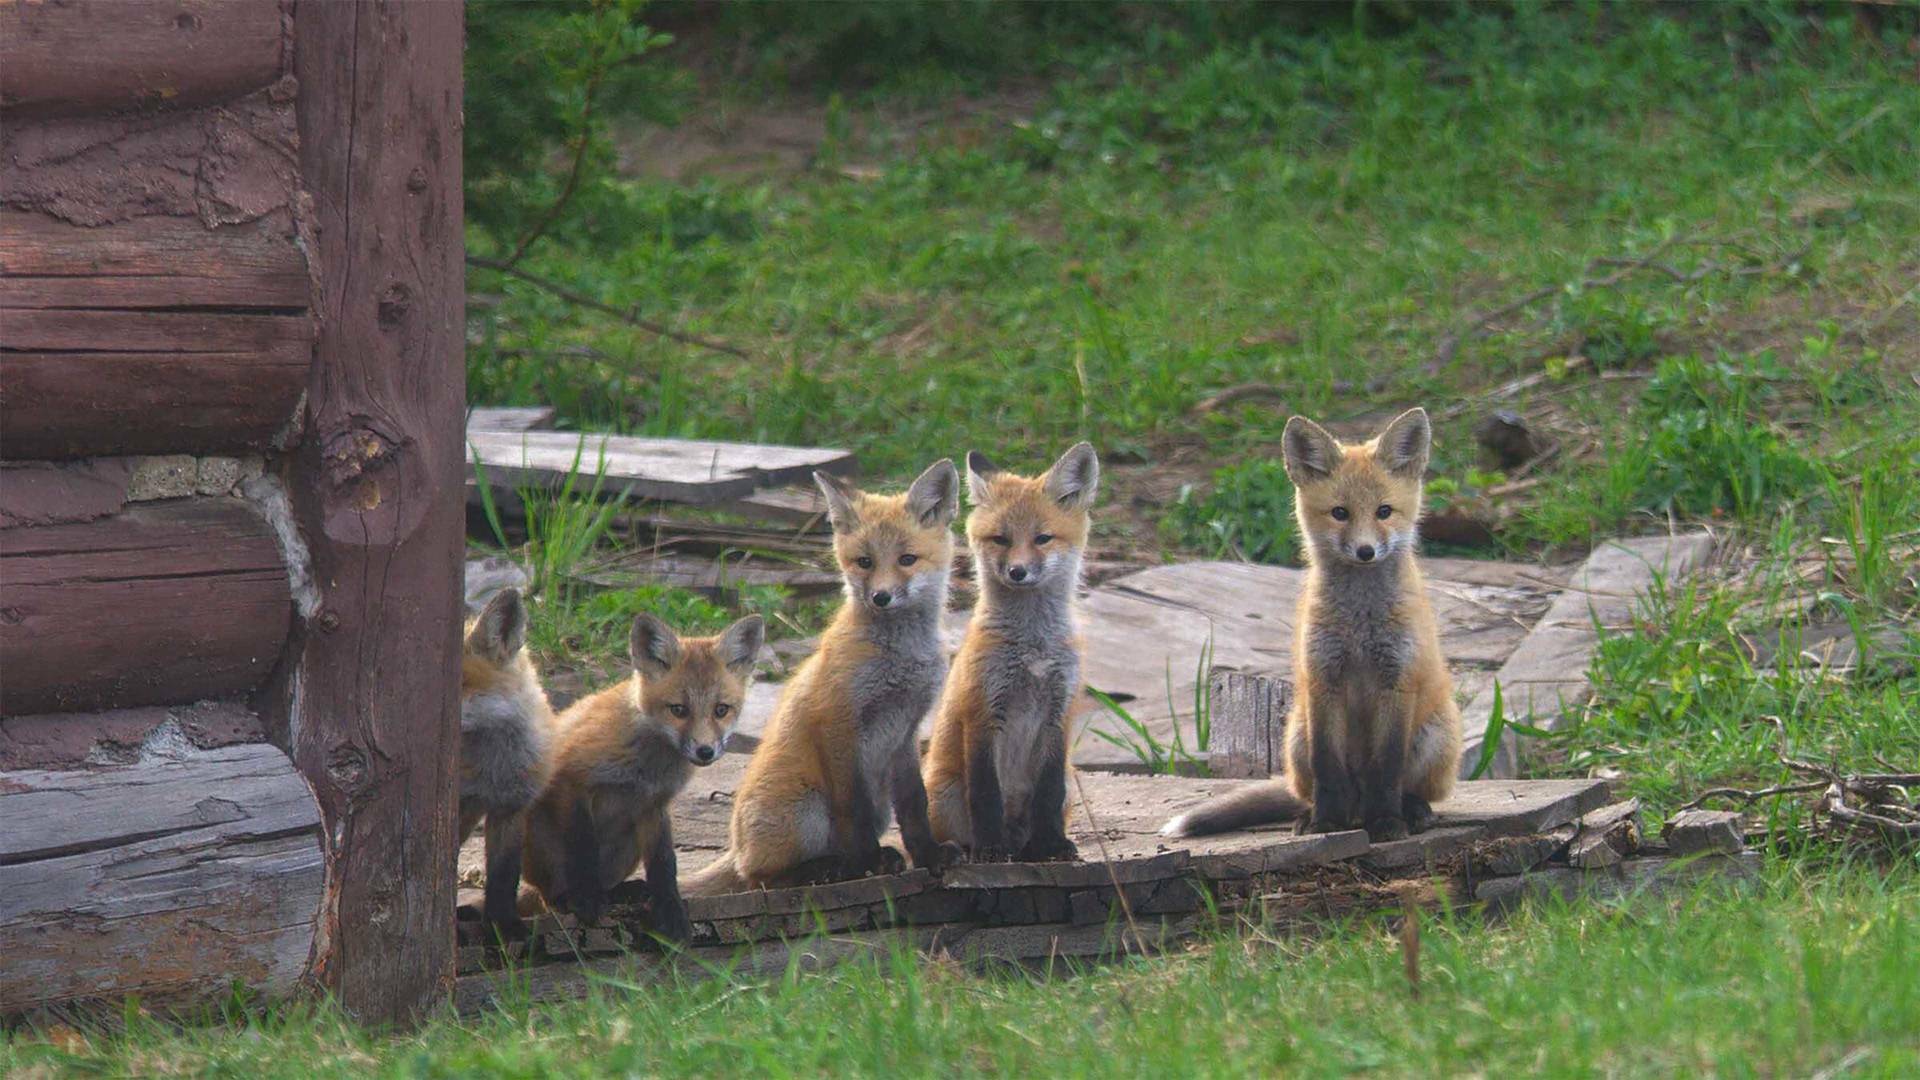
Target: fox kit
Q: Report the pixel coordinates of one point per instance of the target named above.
(996, 770)
(624, 753)
(1374, 738)
(506, 742)
(839, 757)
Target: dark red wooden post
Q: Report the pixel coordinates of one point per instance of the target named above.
(372, 693)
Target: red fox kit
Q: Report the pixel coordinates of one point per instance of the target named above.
(838, 757)
(1374, 737)
(506, 743)
(997, 767)
(624, 753)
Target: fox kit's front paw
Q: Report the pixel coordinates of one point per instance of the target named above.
(503, 931)
(888, 860)
(1382, 830)
(991, 853)
(937, 857)
(1054, 849)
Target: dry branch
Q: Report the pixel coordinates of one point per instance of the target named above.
(630, 317)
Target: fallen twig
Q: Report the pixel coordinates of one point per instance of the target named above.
(583, 300)
(1234, 395)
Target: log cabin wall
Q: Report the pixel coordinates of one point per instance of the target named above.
(230, 396)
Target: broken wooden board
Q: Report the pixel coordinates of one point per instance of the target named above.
(671, 470)
(510, 418)
(715, 577)
(1546, 673)
(1145, 633)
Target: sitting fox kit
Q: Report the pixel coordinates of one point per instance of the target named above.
(506, 742)
(997, 766)
(838, 759)
(623, 754)
(1374, 736)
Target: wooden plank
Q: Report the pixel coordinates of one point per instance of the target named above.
(148, 262)
(510, 418)
(371, 707)
(97, 55)
(675, 470)
(120, 736)
(174, 879)
(802, 507)
(713, 576)
(1545, 675)
(163, 603)
(1515, 807)
(1248, 724)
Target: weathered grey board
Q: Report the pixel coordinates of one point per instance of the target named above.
(674, 470)
(1546, 673)
(711, 575)
(171, 878)
(1145, 633)
(510, 418)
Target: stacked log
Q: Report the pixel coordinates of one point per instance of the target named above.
(166, 495)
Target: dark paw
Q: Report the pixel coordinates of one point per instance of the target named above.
(1325, 825)
(589, 914)
(1382, 830)
(992, 853)
(1058, 849)
(1419, 815)
(673, 927)
(887, 860)
(504, 931)
(937, 857)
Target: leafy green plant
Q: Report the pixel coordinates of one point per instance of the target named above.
(1248, 515)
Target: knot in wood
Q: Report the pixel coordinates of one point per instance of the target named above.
(347, 768)
(394, 304)
(417, 180)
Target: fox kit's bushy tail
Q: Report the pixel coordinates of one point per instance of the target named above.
(1257, 804)
(722, 876)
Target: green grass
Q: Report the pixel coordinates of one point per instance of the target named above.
(1311, 209)
(1791, 977)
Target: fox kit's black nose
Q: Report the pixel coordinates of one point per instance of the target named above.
(1364, 553)
(882, 598)
(1017, 573)
(705, 754)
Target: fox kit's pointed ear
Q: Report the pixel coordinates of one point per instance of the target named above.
(1074, 478)
(1402, 448)
(980, 473)
(654, 646)
(840, 496)
(935, 495)
(740, 644)
(1308, 451)
(501, 629)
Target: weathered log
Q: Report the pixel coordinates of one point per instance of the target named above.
(162, 603)
(377, 489)
(173, 879)
(98, 55)
(1607, 835)
(1249, 719)
(149, 262)
(120, 736)
(61, 493)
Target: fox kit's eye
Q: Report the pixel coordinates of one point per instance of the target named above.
(721, 710)
(1043, 539)
(677, 709)
(1340, 513)
(863, 562)
(1001, 540)
(909, 560)
(1384, 512)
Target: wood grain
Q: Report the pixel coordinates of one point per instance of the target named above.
(376, 487)
(166, 602)
(173, 878)
(107, 55)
